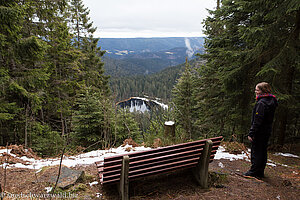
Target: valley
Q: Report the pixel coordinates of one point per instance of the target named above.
(143, 56)
(147, 66)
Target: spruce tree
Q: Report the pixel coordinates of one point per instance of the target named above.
(249, 42)
(88, 118)
(184, 102)
(23, 70)
(82, 29)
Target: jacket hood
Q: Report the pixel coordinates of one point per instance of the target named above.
(268, 99)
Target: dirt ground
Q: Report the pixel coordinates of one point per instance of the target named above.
(281, 182)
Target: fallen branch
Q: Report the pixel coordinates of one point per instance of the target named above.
(5, 167)
(59, 170)
(60, 164)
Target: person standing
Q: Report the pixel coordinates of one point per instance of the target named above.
(261, 128)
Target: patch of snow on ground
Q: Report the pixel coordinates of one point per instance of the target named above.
(221, 154)
(225, 155)
(271, 164)
(169, 123)
(93, 183)
(221, 165)
(71, 161)
(98, 155)
(48, 189)
(5, 151)
(286, 155)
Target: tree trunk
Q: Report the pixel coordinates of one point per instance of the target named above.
(62, 124)
(26, 126)
(218, 4)
(282, 125)
(284, 109)
(288, 78)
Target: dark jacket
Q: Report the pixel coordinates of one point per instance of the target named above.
(262, 116)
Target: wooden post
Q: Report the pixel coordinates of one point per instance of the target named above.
(170, 129)
(201, 170)
(124, 182)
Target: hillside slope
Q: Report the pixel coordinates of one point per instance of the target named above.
(158, 85)
(282, 181)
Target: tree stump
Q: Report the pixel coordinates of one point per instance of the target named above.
(170, 129)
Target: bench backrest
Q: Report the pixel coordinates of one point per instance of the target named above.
(155, 161)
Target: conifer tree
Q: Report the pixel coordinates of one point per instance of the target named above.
(80, 24)
(83, 30)
(24, 71)
(88, 119)
(10, 17)
(126, 127)
(249, 42)
(184, 102)
(92, 75)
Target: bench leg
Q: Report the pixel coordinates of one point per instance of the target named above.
(201, 170)
(124, 182)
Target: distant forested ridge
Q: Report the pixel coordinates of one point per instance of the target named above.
(142, 56)
(141, 45)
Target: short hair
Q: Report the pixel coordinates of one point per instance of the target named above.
(264, 87)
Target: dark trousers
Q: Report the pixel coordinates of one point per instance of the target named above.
(259, 156)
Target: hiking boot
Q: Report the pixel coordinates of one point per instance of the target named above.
(248, 173)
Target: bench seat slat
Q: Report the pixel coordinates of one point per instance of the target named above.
(151, 154)
(158, 163)
(183, 166)
(111, 158)
(195, 152)
(153, 169)
(155, 161)
(140, 157)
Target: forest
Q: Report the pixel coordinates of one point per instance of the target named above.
(54, 93)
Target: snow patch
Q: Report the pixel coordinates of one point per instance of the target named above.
(135, 104)
(221, 165)
(93, 183)
(171, 53)
(169, 123)
(271, 164)
(99, 155)
(71, 161)
(48, 189)
(221, 154)
(286, 155)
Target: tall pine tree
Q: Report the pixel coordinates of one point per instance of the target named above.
(184, 102)
(249, 42)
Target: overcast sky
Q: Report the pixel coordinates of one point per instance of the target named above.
(148, 18)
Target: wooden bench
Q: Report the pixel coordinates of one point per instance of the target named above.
(125, 167)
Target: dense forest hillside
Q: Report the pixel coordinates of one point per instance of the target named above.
(158, 85)
(135, 66)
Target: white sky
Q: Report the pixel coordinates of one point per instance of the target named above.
(148, 18)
